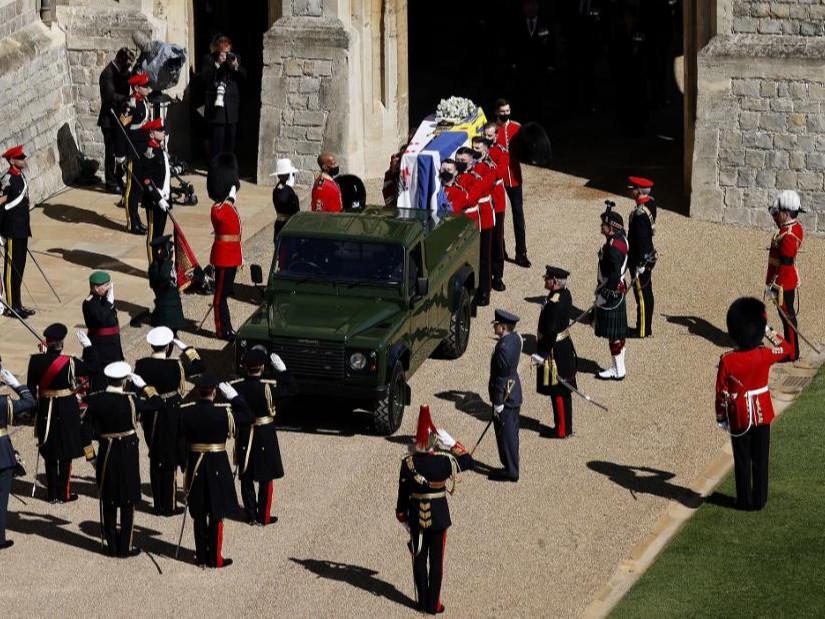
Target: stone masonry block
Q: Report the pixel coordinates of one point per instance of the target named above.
(820, 143)
(798, 11)
(309, 8)
(799, 90)
(746, 177)
(807, 107)
(786, 179)
(293, 68)
(810, 29)
(773, 122)
(810, 181)
(780, 11)
(730, 139)
(796, 123)
(806, 143)
(790, 27)
(760, 9)
(783, 89)
(782, 105)
(732, 157)
(767, 88)
(310, 119)
(754, 158)
(815, 161)
(727, 176)
(816, 92)
(757, 139)
(796, 161)
(748, 120)
(745, 25)
(745, 87)
(766, 179)
(770, 26)
(777, 159)
(736, 216)
(741, 9)
(755, 104)
(817, 13)
(309, 85)
(815, 123)
(733, 197)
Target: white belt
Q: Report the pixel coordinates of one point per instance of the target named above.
(500, 182)
(472, 209)
(749, 398)
(483, 200)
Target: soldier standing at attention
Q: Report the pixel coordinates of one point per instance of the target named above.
(743, 399)
(156, 178)
(113, 415)
(161, 428)
(258, 453)
(501, 158)
(284, 198)
(555, 345)
(133, 114)
(326, 195)
(610, 311)
(102, 345)
(505, 394)
(641, 255)
(114, 92)
(15, 230)
(782, 278)
(56, 378)
(422, 506)
(163, 279)
(210, 487)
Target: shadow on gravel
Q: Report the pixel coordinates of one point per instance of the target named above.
(646, 480)
(357, 576)
(148, 540)
(702, 328)
(468, 402)
(51, 528)
(538, 300)
(93, 260)
(74, 215)
(315, 415)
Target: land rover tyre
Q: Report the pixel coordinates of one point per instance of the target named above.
(389, 410)
(454, 345)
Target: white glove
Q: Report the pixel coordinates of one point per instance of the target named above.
(445, 439)
(770, 293)
(639, 271)
(8, 378)
(164, 205)
(723, 425)
(137, 381)
(110, 294)
(233, 193)
(179, 344)
(498, 408)
(277, 362)
(2, 242)
(120, 160)
(83, 339)
(228, 391)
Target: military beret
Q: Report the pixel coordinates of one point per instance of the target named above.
(206, 381)
(550, 272)
(55, 332)
(99, 277)
(503, 316)
(638, 181)
(141, 79)
(255, 358)
(117, 370)
(160, 336)
(15, 152)
(161, 241)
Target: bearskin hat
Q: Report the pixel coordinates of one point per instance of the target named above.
(353, 192)
(746, 322)
(223, 175)
(531, 145)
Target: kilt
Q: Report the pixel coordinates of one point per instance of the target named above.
(611, 323)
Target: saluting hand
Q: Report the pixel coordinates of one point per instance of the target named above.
(137, 381)
(179, 344)
(83, 339)
(7, 377)
(277, 362)
(228, 391)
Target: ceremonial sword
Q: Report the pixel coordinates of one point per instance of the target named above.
(784, 315)
(582, 395)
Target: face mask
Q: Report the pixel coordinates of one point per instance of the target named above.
(445, 176)
(477, 154)
(504, 117)
(461, 166)
(333, 172)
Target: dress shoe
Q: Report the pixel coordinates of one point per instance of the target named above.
(226, 563)
(26, 311)
(115, 189)
(171, 512)
(130, 553)
(272, 520)
(501, 475)
(229, 335)
(522, 261)
(72, 497)
(7, 544)
(483, 300)
(499, 286)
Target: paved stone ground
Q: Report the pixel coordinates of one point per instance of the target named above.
(542, 547)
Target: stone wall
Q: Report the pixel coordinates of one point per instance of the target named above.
(790, 17)
(36, 98)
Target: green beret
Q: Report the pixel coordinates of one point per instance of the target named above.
(99, 277)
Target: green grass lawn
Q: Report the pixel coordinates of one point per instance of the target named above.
(755, 564)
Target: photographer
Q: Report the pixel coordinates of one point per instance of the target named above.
(114, 92)
(221, 73)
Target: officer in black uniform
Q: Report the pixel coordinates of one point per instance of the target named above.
(161, 429)
(284, 198)
(257, 451)
(427, 475)
(11, 411)
(641, 255)
(102, 344)
(134, 113)
(210, 488)
(163, 279)
(555, 347)
(114, 92)
(112, 416)
(15, 230)
(156, 178)
(56, 379)
(504, 389)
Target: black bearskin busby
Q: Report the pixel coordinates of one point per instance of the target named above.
(353, 192)
(531, 145)
(223, 175)
(746, 322)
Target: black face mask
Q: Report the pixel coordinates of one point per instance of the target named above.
(477, 154)
(333, 172)
(461, 166)
(504, 117)
(445, 177)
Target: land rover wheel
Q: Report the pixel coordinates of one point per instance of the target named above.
(390, 409)
(458, 336)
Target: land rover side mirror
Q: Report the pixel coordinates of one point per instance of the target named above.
(422, 286)
(257, 274)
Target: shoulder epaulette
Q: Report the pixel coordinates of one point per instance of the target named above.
(223, 405)
(269, 381)
(555, 297)
(236, 381)
(89, 298)
(185, 404)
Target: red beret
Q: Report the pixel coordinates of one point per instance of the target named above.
(157, 123)
(141, 79)
(638, 181)
(14, 153)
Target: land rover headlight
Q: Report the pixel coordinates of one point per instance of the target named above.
(357, 361)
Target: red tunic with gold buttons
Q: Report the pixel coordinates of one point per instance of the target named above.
(503, 138)
(226, 248)
(326, 195)
(782, 257)
(482, 181)
(458, 197)
(502, 160)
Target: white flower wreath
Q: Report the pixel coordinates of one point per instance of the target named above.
(454, 110)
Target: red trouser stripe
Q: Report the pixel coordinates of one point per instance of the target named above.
(218, 556)
(267, 517)
(561, 431)
(216, 303)
(443, 553)
(69, 483)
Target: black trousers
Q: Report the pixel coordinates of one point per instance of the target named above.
(118, 542)
(788, 305)
(5, 491)
(109, 156)
(498, 248)
(517, 206)
(224, 287)
(223, 137)
(164, 488)
(643, 291)
(428, 569)
(750, 467)
(257, 509)
(15, 266)
(562, 401)
(156, 222)
(208, 540)
(485, 263)
(506, 426)
(133, 195)
(58, 475)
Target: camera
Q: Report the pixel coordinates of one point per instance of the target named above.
(230, 57)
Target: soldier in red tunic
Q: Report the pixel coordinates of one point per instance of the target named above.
(782, 278)
(512, 181)
(455, 198)
(743, 400)
(326, 195)
(222, 185)
(501, 157)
